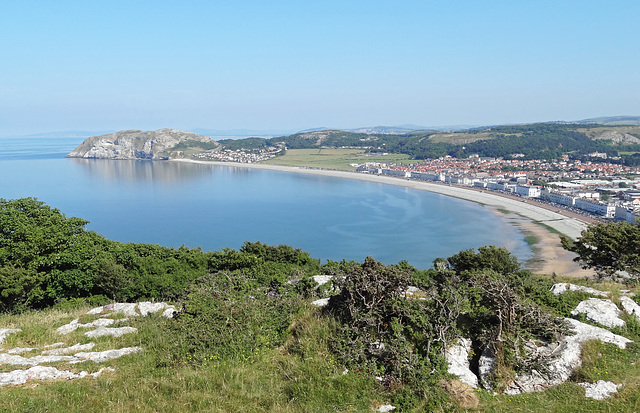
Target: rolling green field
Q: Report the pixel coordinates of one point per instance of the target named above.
(334, 158)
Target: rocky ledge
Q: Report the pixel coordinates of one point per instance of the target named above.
(136, 144)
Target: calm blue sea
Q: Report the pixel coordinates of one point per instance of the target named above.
(214, 207)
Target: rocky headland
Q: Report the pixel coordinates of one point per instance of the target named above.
(161, 144)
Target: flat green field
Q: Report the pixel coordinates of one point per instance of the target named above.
(334, 158)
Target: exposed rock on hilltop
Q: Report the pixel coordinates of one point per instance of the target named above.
(137, 144)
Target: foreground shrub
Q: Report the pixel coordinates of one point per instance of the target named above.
(223, 317)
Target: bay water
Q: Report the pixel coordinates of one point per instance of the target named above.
(216, 207)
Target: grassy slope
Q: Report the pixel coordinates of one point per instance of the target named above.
(300, 376)
(333, 158)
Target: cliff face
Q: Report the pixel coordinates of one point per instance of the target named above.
(137, 144)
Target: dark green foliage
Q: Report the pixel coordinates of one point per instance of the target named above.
(491, 258)
(195, 144)
(46, 257)
(381, 331)
(246, 143)
(609, 248)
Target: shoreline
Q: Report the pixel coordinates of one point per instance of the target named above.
(549, 256)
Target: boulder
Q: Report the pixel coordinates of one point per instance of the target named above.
(486, 366)
(562, 358)
(457, 356)
(600, 390)
(630, 306)
(147, 307)
(562, 288)
(110, 331)
(600, 311)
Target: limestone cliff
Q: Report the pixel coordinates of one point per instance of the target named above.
(136, 144)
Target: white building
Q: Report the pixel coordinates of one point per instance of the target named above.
(562, 199)
(595, 207)
(530, 191)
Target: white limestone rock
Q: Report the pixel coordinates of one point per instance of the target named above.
(630, 306)
(69, 327)
(20, 350)
(386, 408)
(136, 144)
(320, 302)
(4, 332)
(600, 390)
(600, 311)
(100, 356)
(44, 373)
(169, 312)
(110, 331)
(68, 350)
(561, 288)
(563, 358)
(457, 356)
(486, 366)
(135, 309)
(322, 279)
(16, 360)
(74, 325)
(147, 307)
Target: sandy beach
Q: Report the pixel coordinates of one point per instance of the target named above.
(550, 257)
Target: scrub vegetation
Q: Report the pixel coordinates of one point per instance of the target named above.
(247, 338)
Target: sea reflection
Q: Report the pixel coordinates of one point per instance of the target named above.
(151, 171)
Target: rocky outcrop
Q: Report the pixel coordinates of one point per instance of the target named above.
(630, 306)
(137, 144)
(562, 358)
(562, 288)
(457, 356)
(134, 309)
(600, 311)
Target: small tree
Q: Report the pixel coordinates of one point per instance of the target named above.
(609, 249)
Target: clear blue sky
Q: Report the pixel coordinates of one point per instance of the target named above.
(111, 65)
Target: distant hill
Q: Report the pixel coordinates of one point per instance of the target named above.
(242, 133)
(613, 120)
(137, 144)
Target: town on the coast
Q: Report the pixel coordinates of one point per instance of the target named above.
(602, 189)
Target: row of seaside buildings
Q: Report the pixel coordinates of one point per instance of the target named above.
(576, 195)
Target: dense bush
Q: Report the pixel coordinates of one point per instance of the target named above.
(223, 317)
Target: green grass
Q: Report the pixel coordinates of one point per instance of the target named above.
(333, 158)
(301, 375)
